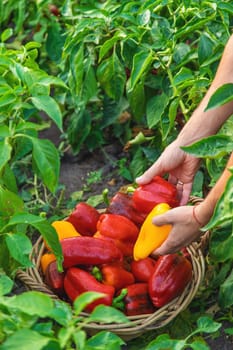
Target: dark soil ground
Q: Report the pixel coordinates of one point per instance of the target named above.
(74, 174)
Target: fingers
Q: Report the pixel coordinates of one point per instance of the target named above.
(187, 188)
(148, 174)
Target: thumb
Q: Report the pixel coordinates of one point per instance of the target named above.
(163, 219)
(149, 174)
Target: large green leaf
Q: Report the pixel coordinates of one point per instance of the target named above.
(10, 203)
(225, 293)
(19, 246)
(141, 61)
(155, 108)
(224, 209)
(221, 96)
(31, 303)
(50, 107)
(137, 100)
(5, 152)
(26, 339)
(211, 147)
(111, 75)
(78, 129)
(47, 162)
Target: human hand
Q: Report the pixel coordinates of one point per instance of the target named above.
(180, 166)
(185, 229)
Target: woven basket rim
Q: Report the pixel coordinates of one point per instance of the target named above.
(32, 278)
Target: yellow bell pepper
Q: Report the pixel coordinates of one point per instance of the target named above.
(151, 236)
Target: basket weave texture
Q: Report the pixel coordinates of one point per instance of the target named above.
(32, 278)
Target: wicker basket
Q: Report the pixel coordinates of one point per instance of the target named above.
(33, 280)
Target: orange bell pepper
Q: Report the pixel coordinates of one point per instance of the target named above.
(151, 236)
(45, 260)
(64, 229)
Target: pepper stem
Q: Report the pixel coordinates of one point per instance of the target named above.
(118, 302)
(95, 271)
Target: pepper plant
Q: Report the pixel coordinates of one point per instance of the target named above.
(153, 60)
(25, 92)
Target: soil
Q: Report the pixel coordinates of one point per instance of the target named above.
(75, 170)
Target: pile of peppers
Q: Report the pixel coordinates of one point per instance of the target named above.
(110, 253)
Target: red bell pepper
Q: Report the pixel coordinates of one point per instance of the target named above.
(114, 275)
(125, 247)
(134, 300)
(117, 226)
(84, 218)
(78, 281)
(55, 279)
(171, 275)
(120, 229)
(143, 269)
(122, 204)
(83, 250)
(159, 190)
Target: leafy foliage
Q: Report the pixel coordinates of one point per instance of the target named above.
(102, 70)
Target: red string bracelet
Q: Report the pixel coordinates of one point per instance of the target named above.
(195, 216)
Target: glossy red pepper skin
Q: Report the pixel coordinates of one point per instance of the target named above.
(122, 204)
(83, 250)
(117, 227)
(159, 190)
(143, 269)
(84, 218)
(171, 275)
(125, 247)
(55, 279)
(115, 275)
(137, 300)
(78, 281)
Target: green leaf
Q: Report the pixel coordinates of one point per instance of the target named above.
(155, 108)
(182, 76)
(111, 75)
(51, 237)
(107, 314)
(198, 345)
(206, 324)
(99, 341)
(6, 34)
(50, 107)
(47, 161)
(80, 337)
(7, 99)
(225, 293)
(32, 303)
(25, 339)
(79, 128)
(61, 313)
(205, 48)
(163, 341)
(108, 44)
(6, 284)
(19, 246)
(224, 209)
(221, 96)
(8, 179)
(221, 243)
(43, 226)
(5, 152)
(141, 62)
(137, 99)
(10, 203)
(211, 147)
(84, 299)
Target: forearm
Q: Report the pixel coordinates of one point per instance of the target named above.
(201, 123)
(205, 210)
